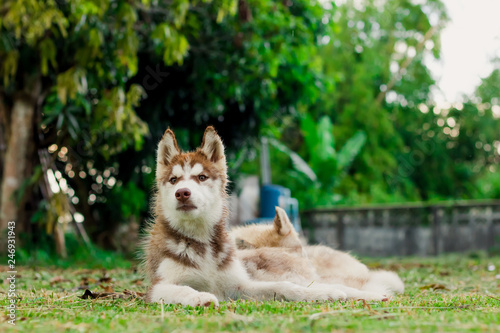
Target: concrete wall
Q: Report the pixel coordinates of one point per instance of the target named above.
(399, 232)
(403, 241)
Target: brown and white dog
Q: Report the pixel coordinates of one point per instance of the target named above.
(189, 257)
(275, 252)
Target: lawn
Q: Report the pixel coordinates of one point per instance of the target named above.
(450, 293)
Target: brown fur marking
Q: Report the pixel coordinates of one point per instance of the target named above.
(222, 247)
(157, 249)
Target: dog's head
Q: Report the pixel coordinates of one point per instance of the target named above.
(279, 234)
(191, 186)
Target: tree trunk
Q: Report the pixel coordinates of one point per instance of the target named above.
(20, 137)
(4, 131)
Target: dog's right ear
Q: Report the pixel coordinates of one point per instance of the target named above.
(167, 149)
(282, 223)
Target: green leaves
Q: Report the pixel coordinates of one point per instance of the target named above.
(350, 150)
(30, 20)
(71, 82)
(65, 117)
(320, 142)
(126, 52)
(172, 45)
(298, 162)
(130, 198)
(116, 120)
(47, 54)
(324, 166)
(9, 64)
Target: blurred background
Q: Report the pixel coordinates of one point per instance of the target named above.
(381, 118)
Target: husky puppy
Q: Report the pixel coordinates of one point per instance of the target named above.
(329, 266)
(189, 257)
(279, 255)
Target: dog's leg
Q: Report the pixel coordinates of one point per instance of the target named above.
(384, 281)
(315, 292)
(238, 281)
(263, 290)
(174, 294)
(353, 293)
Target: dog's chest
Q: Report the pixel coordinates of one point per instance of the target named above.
(193, 264)
(192, 253)
(188, 266)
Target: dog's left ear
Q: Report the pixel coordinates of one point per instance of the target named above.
(212, 146)
(282, 223)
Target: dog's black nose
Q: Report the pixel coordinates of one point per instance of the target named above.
(182, 194)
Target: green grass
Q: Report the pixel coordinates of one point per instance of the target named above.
(469, 302)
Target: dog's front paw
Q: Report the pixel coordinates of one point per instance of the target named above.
(325, 294)
(336, 294)
(201, 299)
(367, 296)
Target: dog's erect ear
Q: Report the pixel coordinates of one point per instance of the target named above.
(167, 149)
(282, 223)
(212, 146)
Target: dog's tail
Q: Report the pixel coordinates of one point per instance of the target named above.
(384, 282)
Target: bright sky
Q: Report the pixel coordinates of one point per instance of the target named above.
(469, 42)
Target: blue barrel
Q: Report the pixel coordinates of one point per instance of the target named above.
(270, 198)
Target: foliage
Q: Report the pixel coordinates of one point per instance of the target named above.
(374, 57)
(131, 200)
(447, 150)
(488, 186)
(414, 149)
(116, 74)
(42, 254)
(325, 166)
(372, 48)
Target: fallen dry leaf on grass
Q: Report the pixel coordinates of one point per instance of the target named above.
(84, 272)
(86, 281)
(434, 286)
(7, 318)
(135, 294)
(111, 295)
(58, 279)
(106, 279)
(138, 282)
(366, 305)
(107, 289)
(92, 295)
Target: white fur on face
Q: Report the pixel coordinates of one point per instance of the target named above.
(206, 196)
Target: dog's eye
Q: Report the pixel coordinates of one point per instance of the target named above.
(173, 180)
(202, 178)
